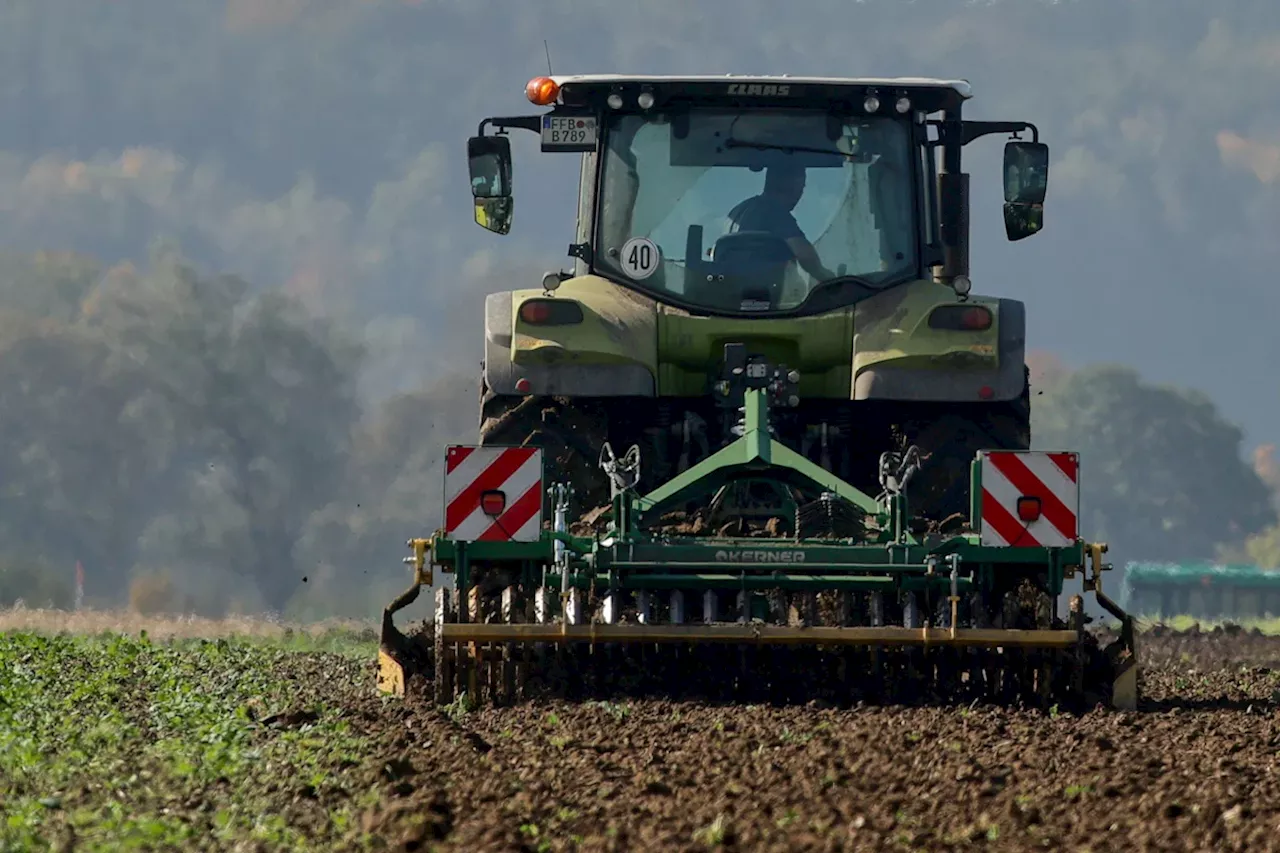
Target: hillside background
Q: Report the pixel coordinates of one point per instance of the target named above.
(240, 288)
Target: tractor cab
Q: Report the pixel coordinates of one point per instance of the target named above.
(763, 196)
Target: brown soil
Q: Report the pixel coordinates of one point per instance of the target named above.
(1195, 769)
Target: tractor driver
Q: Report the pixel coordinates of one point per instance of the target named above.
(771, 212)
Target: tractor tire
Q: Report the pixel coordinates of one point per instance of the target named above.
(948, 443)
(570, 433)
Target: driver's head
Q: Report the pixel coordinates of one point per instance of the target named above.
(785, 182)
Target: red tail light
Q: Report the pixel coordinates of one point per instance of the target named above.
(493, 502)
(960, 318)
(535, 312)
(551, 312)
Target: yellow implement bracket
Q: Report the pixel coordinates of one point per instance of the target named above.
(390, 674)
(422, 573)
(1124, 688)
(393, 648)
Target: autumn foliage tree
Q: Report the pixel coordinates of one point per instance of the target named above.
(1262, 549)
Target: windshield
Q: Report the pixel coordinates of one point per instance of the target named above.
(751, 210)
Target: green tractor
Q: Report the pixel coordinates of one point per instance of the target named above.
(726, 223)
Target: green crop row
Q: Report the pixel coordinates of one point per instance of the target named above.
(126, 744)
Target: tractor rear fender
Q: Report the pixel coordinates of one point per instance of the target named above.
(937, 366)
(608, 354)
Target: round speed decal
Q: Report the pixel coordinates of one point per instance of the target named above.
(640, 258)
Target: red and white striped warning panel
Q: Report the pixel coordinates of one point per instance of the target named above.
(1030, 498)
(493, 494)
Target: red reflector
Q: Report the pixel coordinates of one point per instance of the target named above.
(493, 502)
(522, 385)
(986, 392)
(1028, 509)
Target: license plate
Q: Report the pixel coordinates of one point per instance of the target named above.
(570, 133)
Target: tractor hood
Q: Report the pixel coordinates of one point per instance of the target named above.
(612, 325)
(593, 337)
(692, 349)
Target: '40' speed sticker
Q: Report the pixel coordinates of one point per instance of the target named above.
(640, 258)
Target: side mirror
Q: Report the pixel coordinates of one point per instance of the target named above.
(489, 163)
(1026, 178)
(494, 214)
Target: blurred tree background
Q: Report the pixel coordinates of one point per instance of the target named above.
(1162, 474)
(202, 439)
(240, 291)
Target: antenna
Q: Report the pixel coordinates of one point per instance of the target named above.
(550, 73)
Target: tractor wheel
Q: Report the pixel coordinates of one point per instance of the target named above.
(950, 440)
(570, 433)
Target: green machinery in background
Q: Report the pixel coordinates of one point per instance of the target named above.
(1201, 590)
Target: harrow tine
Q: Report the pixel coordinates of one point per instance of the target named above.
(487, 646)
(510, 612)
(488, 664)
(444, 657)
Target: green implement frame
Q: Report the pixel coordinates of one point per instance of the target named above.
(631, 556)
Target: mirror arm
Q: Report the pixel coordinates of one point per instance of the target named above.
(530, 123)
(971, 130)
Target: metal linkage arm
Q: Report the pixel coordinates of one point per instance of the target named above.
(751, 455)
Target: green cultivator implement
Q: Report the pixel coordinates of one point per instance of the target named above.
(781, 583)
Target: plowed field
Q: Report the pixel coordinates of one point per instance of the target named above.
(322, 763)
